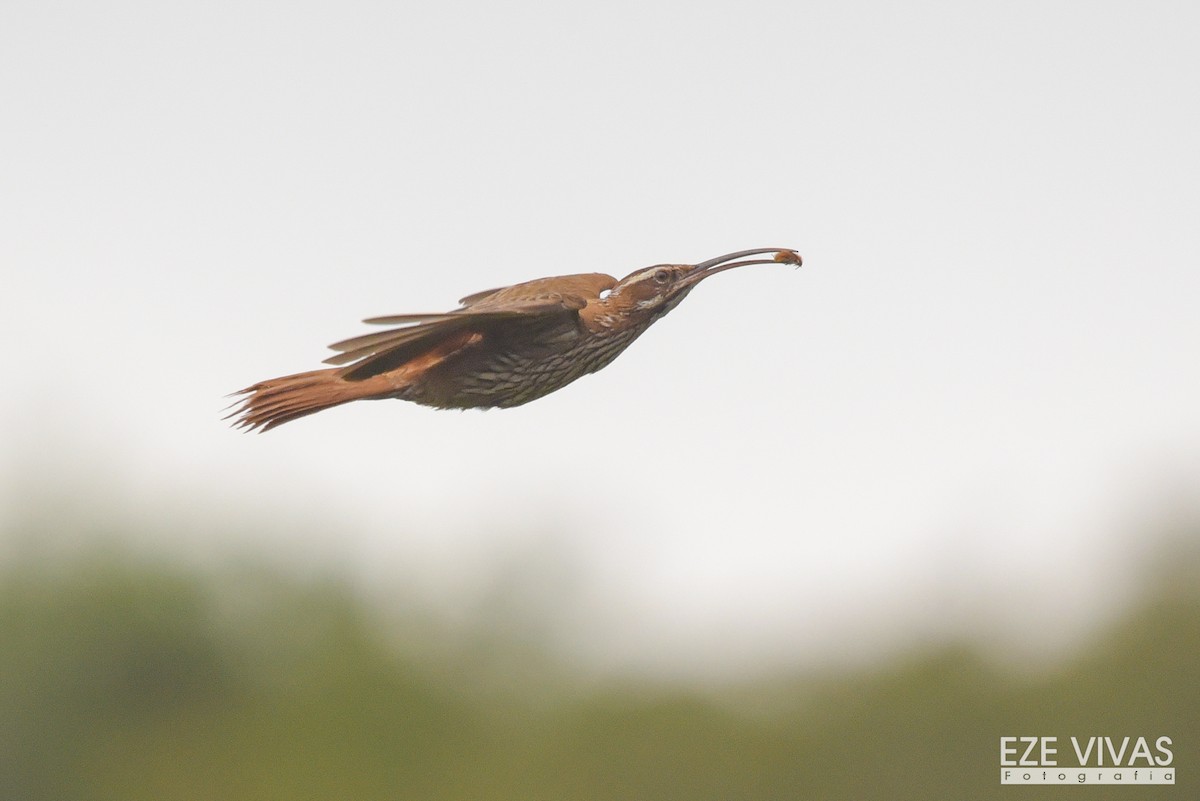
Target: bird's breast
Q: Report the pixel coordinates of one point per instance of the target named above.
(503, 375)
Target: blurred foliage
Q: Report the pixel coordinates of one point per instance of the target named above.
(126, 678)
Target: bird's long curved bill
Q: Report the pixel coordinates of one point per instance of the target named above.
(730, 260)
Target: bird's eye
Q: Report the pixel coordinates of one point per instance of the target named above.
(662, 277)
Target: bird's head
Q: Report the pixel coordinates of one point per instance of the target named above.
(651, 292)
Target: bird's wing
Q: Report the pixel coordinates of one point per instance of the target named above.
(372, 354)
(583, 285)
(471, 300)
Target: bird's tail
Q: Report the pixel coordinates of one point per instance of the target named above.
(280, 400)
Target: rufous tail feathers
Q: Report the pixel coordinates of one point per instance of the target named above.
(280, 400)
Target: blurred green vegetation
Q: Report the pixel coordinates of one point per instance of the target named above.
(123, 677)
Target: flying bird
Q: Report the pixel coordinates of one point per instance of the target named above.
(500, 348)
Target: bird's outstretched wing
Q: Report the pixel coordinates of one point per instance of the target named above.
(371, 354)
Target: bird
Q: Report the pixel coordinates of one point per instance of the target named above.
(501, 348)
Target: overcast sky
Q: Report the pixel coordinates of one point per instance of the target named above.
(984, 374)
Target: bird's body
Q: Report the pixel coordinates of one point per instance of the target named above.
(501, 348)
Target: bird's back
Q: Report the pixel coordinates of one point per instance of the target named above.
(584, 286)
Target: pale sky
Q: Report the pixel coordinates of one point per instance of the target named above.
(981, 381)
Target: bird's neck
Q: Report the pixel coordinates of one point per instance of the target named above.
(611, 315)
